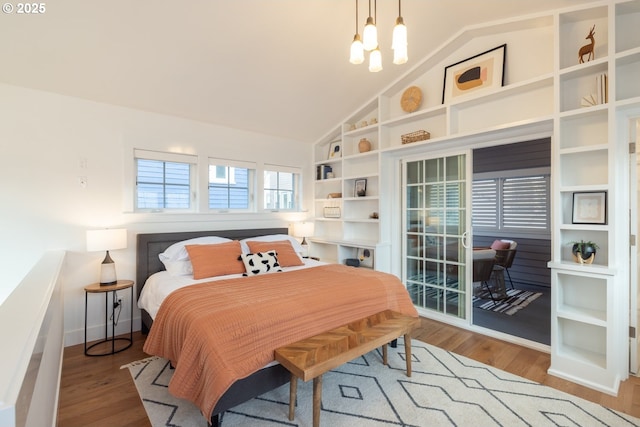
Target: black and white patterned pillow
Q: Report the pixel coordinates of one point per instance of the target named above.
(260, 262)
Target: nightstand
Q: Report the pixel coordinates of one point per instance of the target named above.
(96, 288)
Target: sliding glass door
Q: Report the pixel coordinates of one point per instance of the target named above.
(435, 227)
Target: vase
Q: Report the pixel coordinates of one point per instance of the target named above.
(586, 256)
(364, 145)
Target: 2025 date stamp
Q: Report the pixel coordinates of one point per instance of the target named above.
(24, 8)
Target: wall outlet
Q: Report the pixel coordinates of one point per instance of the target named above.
(82, 181)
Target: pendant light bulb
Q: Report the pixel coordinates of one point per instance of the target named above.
(375, 60)
(357, 50)
(370, 35)
(399, 34)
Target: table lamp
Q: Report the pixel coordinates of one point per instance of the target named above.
(304, 230)
(106, 240)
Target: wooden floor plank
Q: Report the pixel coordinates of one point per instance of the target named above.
(96, 392)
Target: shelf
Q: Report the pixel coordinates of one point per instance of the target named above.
(627, 71)
(592, 317)
(362, 220)
(439, 110)
(359, 156)
(580, 81)
(361, 199)
(583, 149)
(575, 267)
(371, 128)
(583, 169)
(580, 355)
(370, 244)
(573, 30)
(627, 18)
(584, 227)
(579, 188)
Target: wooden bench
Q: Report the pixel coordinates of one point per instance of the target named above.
(310, 358)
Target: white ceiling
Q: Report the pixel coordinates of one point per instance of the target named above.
(278, 67)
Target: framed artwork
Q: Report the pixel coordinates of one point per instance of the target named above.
(335, 150)
(590, 207)
(366, 257)
(360, 189)
(480, 72)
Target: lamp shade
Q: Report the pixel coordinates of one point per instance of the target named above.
(303, 229)
(399, 34)
(105, 240)
(370, 35)
(357, 51)
(400, 55)
(375, 61)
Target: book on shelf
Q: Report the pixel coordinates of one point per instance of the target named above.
(322, 171)
(602, 91)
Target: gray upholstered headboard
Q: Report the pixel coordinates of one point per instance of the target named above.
(149, 246)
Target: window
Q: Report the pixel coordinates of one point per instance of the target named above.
(280, 187)
(163, 180)
(512, 203)
(231, 185)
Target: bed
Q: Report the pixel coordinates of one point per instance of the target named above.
(174, 332)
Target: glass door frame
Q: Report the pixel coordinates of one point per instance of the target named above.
(466, 239)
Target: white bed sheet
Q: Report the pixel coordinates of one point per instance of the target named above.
(159, 285)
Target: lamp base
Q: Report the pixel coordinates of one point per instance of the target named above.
(108, 271)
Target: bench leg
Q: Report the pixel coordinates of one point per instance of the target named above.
(293, 393)
(385, 359)
(407, 352)
(317, 400)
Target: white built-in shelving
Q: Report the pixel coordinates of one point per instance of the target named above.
(542, 93)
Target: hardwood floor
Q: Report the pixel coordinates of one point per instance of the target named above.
(94, 391)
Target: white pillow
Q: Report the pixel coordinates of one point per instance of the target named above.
(260, 263)
(177, 251)
(272, 238)
(178, 268)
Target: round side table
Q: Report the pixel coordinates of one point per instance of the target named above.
(97, 288)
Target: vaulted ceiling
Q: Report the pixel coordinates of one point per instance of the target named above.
(277, 67)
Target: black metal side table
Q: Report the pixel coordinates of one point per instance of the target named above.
(105, 289)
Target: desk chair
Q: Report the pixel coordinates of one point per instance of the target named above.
(483, 262)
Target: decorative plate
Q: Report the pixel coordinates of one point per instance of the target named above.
(411, 99)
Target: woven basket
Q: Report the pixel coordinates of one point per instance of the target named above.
(419, 135)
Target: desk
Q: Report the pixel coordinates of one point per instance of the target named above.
(97, 288)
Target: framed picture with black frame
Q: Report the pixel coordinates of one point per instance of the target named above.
(480, 72)
(360, 187)
(589, 207)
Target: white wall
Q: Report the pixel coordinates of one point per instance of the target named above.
(44, 140)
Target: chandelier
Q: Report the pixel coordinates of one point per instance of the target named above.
(369, 41)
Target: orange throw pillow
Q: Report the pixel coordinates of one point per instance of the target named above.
(287, 256)
(215, 260)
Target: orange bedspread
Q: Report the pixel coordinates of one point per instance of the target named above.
(218, 332)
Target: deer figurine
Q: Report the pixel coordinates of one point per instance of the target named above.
(588, 49)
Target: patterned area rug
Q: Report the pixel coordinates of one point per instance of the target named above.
(445, 390)
(516, 300)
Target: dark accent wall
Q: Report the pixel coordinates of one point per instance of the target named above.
(530, 263)
(521, 155)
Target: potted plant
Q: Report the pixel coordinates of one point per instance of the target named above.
(584, 252)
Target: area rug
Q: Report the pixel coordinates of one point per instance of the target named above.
(516, 300)
(445, 390)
